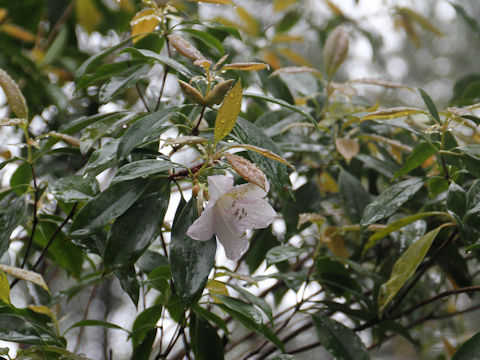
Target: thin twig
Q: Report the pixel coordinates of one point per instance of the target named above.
(141, 97)
(85, 315)
(54, 235)
(60, 23)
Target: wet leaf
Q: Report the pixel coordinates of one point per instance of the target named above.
(144, 22)
(15, 99)
(335, 50)
(392, 113)
(248, 170)
(390, 200)
(340, 341)
(26, 275)
(228, 112)
(404, 268)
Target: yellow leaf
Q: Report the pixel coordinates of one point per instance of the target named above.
(220, 2)
(294, 56)
(247, 66)
(144, 22)
(18, 32)
(310, 217)
(334, 241)
(14, 96)
(420, 20)
(88, 14)
(246, 278)
(253, 26)
(348, 148)
(3, 14)
(335, 50)
(4, 288)
(334, 8)
(280, 5)
(127, 5)
(267, 153)
(449, 348)
(248, 170)
(228, 112)
(282, 38)
(217, 287)
(272, 59)
(23, 274)
(327, 184)
(393, 113)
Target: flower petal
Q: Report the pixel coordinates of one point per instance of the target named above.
(256, 214)
(219, 185)
(204, 227)
(234, 241)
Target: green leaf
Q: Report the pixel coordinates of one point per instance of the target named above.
(404, 268)
(456, 199)
(469, 20)
(132, 232)
(421, 153)
(143, 350)
(284, 104)
(469, 350)
(165, 60)
(9, 220)
(248, 310)
(276, 172)
(190, 260)
(228, 112)
(390, 200)
(129, 282)
(473, 195)
(23, 330)
(208, 315)
(430, 106)
(21, 178)
(102, 158)
(118, 85)
(335, 277)
(106, 125)
(106, 206)
(396, 225)
(206, 344)
(73, 188)
(92, 322)
(255, 300)
(341, 342)
(260, 329)
(143, 169)
(141, 130)
(208, 39)
(94, 60)
(145, 321)
(281, 253)
(354, 196)
(63, 253)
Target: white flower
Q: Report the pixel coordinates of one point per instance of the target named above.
(230, 211)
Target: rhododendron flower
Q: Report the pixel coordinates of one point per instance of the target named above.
(230, 211)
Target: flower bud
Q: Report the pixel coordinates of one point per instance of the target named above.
(216, 95)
